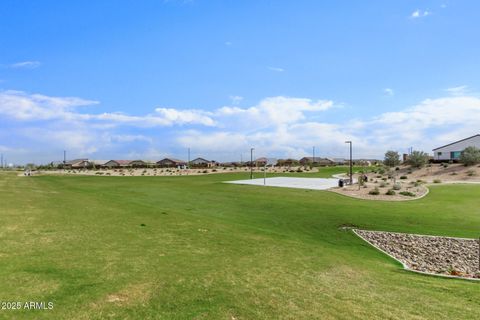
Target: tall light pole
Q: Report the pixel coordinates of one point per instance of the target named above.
(313, 159)
(351, 162)
(1, 162)
(251, 162)
(188, 158)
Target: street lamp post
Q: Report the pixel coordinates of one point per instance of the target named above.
(351, 162)
(251, 162)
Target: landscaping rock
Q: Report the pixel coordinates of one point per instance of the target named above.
(430, 254)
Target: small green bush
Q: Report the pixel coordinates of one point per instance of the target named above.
(390, 192)
(397, 186)
(374, 192)
(470, 173)
(383, 184)
(403, 177)
(437, 181)
(407, 194)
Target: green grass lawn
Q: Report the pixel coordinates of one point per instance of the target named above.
(195, 248)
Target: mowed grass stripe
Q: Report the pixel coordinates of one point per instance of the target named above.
(210, 250)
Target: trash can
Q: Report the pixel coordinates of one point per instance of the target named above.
(340, 183)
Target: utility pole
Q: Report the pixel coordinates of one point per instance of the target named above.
(351, 162)
(64, 157)
(313, 159)
(188, 158)
(251, 162)
(1, 162)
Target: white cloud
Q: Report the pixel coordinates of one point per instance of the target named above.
(26, 65)
(388, 92)
(276, 69)
(275, 126)
(431, 123)
(129, 138)
(458, 91)
(171, 116)
(272, 111)
(420, 14)
(33, 107)
(23, 106)
(236, 99)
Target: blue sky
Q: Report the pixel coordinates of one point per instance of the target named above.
(148, 79)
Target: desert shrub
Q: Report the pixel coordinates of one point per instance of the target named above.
(214, 170)
(374, 192)
(390, 192)
(397, 168)
(403, 177)
(299, 170)
(291, 171)
(205, 171)
(407, 194)
(453, 174)
(383, 184)
(392, 158)
(445, 165)
(418, 159)
(437, 181)
(98, 172)
(470, 173)
(397, 186)
(381, 171)
(384, 179)
(470, 156)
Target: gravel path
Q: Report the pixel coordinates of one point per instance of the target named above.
(430, 254)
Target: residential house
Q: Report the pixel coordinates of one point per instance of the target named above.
(202, 163)
(452, 151)
(117, 164)
(171, 163)
(77, 164)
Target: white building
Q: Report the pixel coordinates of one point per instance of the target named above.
(453, 150)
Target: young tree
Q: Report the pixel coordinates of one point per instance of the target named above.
(470, 156)
(392, 158)
(418, 159)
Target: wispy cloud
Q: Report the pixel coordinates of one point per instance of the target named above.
(420, 14)
(276, 69)
(458, 91)
(25, 65)
(236, 99)
(389, 92)
(228, 43)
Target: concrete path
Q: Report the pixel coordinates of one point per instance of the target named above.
(285, 182)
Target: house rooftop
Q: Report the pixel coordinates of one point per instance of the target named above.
(477, 135)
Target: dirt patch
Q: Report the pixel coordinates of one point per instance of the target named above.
(446, 256)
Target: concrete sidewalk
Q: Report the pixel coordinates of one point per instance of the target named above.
(298, 183)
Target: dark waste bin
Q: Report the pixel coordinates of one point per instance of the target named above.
(341, 183)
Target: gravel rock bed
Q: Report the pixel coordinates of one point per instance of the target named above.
(430, 254)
